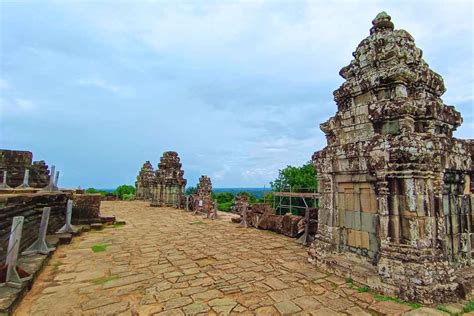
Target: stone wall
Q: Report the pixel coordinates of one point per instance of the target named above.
(86, 208)
(394, 183)
(15, 162)
(31, 207)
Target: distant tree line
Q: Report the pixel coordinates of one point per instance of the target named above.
(299, 179)
(123, 192)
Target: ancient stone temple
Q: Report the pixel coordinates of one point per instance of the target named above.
(395, 185)
(169, 184)
(203, 197)
(145, 182)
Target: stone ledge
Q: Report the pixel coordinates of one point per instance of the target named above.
(33, 264)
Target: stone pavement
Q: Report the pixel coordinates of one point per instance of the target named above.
(168, 262)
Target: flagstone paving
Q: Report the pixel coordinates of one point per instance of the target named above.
(165, 261)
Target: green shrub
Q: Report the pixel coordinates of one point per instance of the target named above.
(224, 197)
(190, 190)
(469, 307)
(128, 197)
(224, 207)
(124, 190)
(95, 191)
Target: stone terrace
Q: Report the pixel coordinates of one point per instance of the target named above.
(169, 262)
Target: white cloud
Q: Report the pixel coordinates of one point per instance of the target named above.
(102, 84)
(16, 106)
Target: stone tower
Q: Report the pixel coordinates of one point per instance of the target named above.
(203, 197)
(396, 199)
(145, 182)
(168, 189)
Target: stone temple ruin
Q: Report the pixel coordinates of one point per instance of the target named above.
(145, 182)
(169, 184)
(396, 187)
(202, 200)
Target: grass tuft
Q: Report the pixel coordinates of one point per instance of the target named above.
(99, 247)
(469, 307)
(104, 280)
(115, 225)
(363, 289)
(396, 300)
(349, 281)
(56, 266)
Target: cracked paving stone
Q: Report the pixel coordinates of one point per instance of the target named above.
(186, 273)
(287, 307)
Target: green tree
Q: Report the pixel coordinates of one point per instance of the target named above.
(224, 197)
(298, 178)
(95, 191)
(125, 192)
(190, 190)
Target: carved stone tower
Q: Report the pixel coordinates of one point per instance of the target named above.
(395, 185)
(168, 189)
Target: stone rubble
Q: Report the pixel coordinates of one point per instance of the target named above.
(394, 182)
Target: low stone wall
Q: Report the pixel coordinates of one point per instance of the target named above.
(30, 205)
(86, 208)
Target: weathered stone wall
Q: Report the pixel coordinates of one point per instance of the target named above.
(39, 174)
(31, 207)
(86, 208)
(169, 184)
(15, 162)
(394, 183)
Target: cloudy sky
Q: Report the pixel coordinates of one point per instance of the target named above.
(238, 89)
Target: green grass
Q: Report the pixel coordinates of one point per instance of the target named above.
(363, 289)
(56, 266)
(115, 225)
(104, 280)
(396, 300)
(443, 308)
(197, 223)
(469, 307)
(349, 281)
(99, 247)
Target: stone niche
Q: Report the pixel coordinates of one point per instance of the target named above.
(15, 162)
(395, 185)
(169, 184)
(145, 182)
(203, 198)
